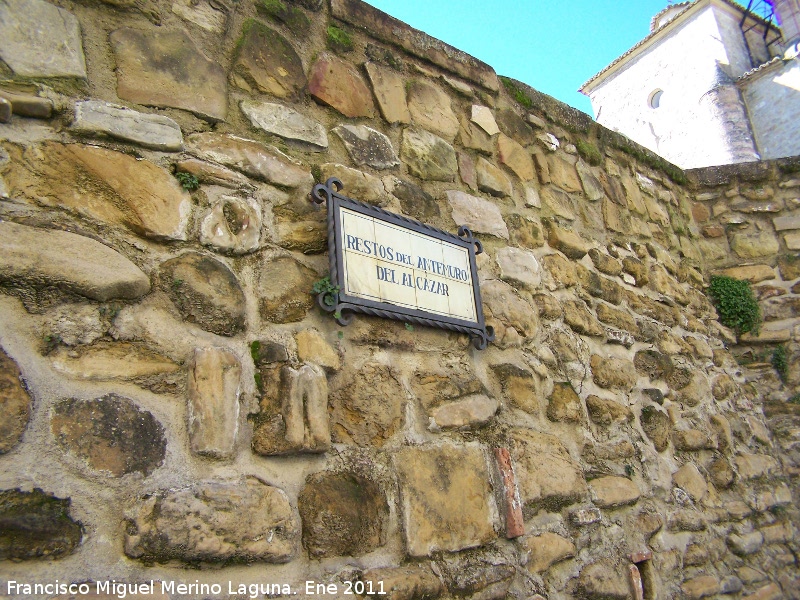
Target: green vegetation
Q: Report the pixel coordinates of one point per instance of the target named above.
(589, 152)
(735, 303)
(339, 40)
(324, 286)
(652, 160)
(516, 92)
(255, 349)
(316, 171)
(291, 16)
(188, 181)
(794, 399)
(780, 361)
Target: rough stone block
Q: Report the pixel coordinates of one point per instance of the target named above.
(520, 266)
(611, 491)
(607, 412)
(492, 180)
(755, 245)
(93, 118)
(431, 109)
(613, 373)
(72, 262)
(428, 156)
(753, 466)
(214, 385)
(157, 528)
(748, 543)
(568, 242)
(284, 290)
(467, 412)
(232, 224)
(287, 123)
(312, 347)
(479, 215)
(367, 146)
(547, 549)
(603, 580)
(111, 360)
(564, 404)
(515, 157)
(36, 525)
(412, 582)
(390, 91)
(447, 502)
(504, 306)
(689, 479)
(15, 403)
(700, 587)
(580, 319)
(336, 83)
(266, 61)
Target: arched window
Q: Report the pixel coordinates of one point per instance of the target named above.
(654, 100)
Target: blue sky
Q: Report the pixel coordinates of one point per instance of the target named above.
(552, 46)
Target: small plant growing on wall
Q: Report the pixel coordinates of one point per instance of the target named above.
(736, 304)
(188, 181)
(780, 361)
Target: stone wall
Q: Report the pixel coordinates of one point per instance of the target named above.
(177, 409)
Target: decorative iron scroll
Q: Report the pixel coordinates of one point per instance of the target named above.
(343, 301)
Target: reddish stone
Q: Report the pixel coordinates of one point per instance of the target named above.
(337, 84)
(466, 168)
(713, 231)
(700, 212)
(515, 526)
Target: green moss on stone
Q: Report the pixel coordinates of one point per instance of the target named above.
(339, 40)
(291, 16)
(589, 152)
(516, 92)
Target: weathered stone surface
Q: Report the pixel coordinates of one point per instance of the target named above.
(700, 587)
(207, 172)
(267, 62)
(233, 225)
(568, 242)
(585, 516)
(214, 385)
(35, 525)
(284, 290)
(157, 529)
(343, 515)
(515, 157)
(5, 111)
(391, 30)
(67, 261)
(414, 201)
(312, 347)
(204, 14)
(165, 68)
(287, 123)
(605, 263)
(613, 372)
(753, 466)
(471, 411)
(428, 156)
(546, 473)
(747, 245)
(111, 360)
(430, 109)
(27, 104)
(563, 174)
(336, 83)
(564, 404)
(520, 266)
(547, 549)
(520, 386)
(652, 363)
(412, 582)
(789, 266)
(771, 591)
(93, 117)
(294, 415)
(603, 580)
(357, 184)
(504, 306)
(657, 427)
(483, 117)
(580, 319)
(38, 39)
(692, 440)
(721, 473)
(637, 269)
(110, 434)
(563, 271)
(751, 273)
(610, 492)
(689, 479)
(618, 318)
(390, 91)
(15, 404)
(367, 146)
(479, 215)
(515, 127)
(474, 137)
(607, 412)
(205, 292)
(748, 543)
(466, 169)
(558, 202)
(105, 185)
(368, 408)
(437, 513)
(591, 185)
(491, 179)
(252, 158)
(786, 223)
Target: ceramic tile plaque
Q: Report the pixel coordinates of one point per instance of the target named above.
(390, 266)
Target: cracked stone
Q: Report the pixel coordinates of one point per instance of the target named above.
(367, 146)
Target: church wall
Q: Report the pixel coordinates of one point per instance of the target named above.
(176, 407)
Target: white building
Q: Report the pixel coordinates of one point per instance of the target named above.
(712, 84)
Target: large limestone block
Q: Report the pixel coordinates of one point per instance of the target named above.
(479, 215)
(214, 386)
(610, 491)
(520, 266)
(367, 146)
(390, 91)
(232, 224)
(446, 497)
(284, 290)
(287, 123)
(613, 372)
(204, 523)
(267, 62)
(110, 435)
(93, 117)
(688, 478)
(205, 292)
(343, 515)
(754, 245)
(165, 68)
(68, 261)
(503, 305)
(752, 466)
(36, 525)
(564, 404)
(430, 109)
(546, 473)
(515, 157)
(15, 404)
(492, 180)
(38, 39)
(105, 185)
(336, 83)
(547, 549)
(471, 411)
(252, 158)
(428, 156)
(111, 360)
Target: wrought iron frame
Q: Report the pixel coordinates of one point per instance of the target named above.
(343, 306)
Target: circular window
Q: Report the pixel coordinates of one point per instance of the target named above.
(654, 101)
